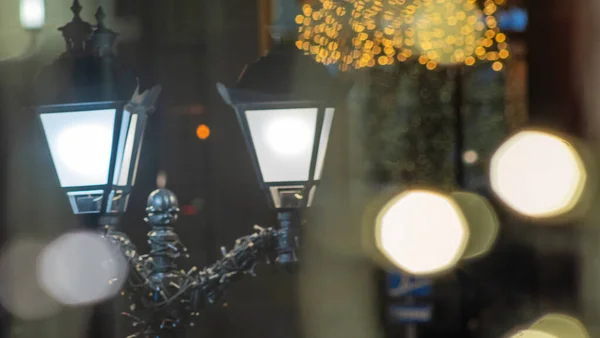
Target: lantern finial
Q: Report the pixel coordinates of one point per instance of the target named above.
(103, 38)
(77, 32)
(76, 8)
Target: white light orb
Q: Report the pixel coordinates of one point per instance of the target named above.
(85, 149)
(289, 136)
(554, 325)
(81, 268)
(422, 232)
(20, 292)
(538, 174)
(32, 14)
(560, 326)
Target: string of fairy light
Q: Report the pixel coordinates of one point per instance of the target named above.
(364, 33)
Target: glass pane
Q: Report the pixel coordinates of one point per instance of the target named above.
(86, 202)
(142, 125)
(121, 147)
(283, 141)
(117, 201)
(288, 196)
(80, 143)
(311, 195)
(323, 142)
(125, 150)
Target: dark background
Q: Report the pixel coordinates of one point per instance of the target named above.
(189, 45)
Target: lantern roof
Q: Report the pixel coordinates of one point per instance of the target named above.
(88, 71)
(284, 74)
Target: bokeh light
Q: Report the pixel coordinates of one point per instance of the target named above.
(20, 292)
(470, 156)
(32, 14)
(538, 174)
(483, 222)
(81, 268)
(203, 131)
(355, 34)
(554, 326)
(422, 232)
(447, 32)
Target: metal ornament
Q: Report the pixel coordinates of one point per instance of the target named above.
(165, 300)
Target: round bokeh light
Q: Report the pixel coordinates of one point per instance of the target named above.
(538, 174)
(422, 232)
(81, 268)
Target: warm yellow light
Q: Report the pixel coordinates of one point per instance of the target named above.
(497, 66)
(538, 174)
(421, 232)
(446, 31)
(307, 9)
(444, 27)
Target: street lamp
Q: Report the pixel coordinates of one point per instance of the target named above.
(93, 132)
(95, 148)
(286, 133)
(284, 107)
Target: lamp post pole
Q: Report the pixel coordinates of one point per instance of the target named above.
(287, 240)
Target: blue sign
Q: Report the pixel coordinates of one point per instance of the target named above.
(514, 20)
(402, 284)
(409, 314)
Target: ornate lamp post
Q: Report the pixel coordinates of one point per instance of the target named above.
(165, 300)
(94, 128)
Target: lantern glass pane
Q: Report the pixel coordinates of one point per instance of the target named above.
(135, 158)
(117, 201)
(287, 197)
(283, 141)
(80, 144)
(125, 149)
(325, 131)
(86, 202)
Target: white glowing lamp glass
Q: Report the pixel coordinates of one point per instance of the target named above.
(538, 174)
(95, 149)
(288, 146)
(422, 232)
(32, 14)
